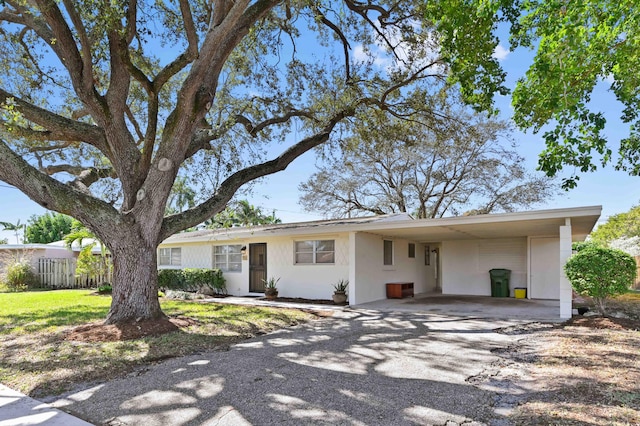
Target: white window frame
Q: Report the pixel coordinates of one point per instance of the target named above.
(172, 261)
(314, 252)
(226, 255)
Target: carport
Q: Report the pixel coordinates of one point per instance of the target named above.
(460, 251)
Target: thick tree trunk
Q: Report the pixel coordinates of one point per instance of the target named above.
(135, 283)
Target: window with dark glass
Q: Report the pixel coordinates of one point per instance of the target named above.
(388, 252)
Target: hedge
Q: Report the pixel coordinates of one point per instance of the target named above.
(600, 273)
(192, 279)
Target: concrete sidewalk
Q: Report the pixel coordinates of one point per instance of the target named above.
(18, 409)
(261, 301)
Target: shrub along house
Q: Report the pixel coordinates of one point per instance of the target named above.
(450, 255)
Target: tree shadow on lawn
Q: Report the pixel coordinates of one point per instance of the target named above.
(54, 364)
(42, 363)
(36, 321)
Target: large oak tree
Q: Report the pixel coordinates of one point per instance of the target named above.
(105, 103)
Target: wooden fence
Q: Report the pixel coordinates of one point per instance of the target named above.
(60, 273)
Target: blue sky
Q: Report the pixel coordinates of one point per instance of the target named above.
(615, 191)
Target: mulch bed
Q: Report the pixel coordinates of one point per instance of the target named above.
(100, 332)
(604, 323)
(309, 301)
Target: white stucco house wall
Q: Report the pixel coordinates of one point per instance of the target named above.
(450, 255)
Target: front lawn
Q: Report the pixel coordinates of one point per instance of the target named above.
(37, 360)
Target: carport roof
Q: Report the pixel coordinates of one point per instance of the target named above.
(537, 223)
(540, 223)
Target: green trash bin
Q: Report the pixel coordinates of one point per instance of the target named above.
(500, 282)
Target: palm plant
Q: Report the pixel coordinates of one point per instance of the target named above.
(15, 227)
(86, 261)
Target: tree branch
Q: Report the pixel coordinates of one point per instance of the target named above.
(132, 23)
(22, 132)
(363, 9)
(50, 193)
(59, 36)
(63, 128)
(343, 39)
(134, 122)
(85, 176)
(85, 44)
(186, 57)
(227, 189)
(253, 130)
(202, 138)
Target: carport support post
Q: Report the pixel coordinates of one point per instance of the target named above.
(353, 283)
(566, 293)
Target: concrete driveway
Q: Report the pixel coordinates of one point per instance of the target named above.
(472, 306)
(359, 367)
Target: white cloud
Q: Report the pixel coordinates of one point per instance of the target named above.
(358, 54)
(379, 55)
(500, 53)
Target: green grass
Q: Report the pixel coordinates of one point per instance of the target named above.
(37, 360)
(46, 310)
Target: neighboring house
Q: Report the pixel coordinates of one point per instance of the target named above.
(76, 247)
(449, 255)
(33, 252)
(44, 258)
(55, 250)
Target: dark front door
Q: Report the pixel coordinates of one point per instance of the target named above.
(257, 267)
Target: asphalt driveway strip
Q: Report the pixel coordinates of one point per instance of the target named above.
(357, 367)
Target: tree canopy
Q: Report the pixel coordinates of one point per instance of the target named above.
(451, 167)
(47, 228)
(621, 225)
(241, 214)
(578, 45)
(104, 104)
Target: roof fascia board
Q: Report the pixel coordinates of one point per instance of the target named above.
(574, 212)
(319, 229)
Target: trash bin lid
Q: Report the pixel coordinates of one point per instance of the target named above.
(500, 272)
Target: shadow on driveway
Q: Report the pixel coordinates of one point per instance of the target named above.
(356, 368)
